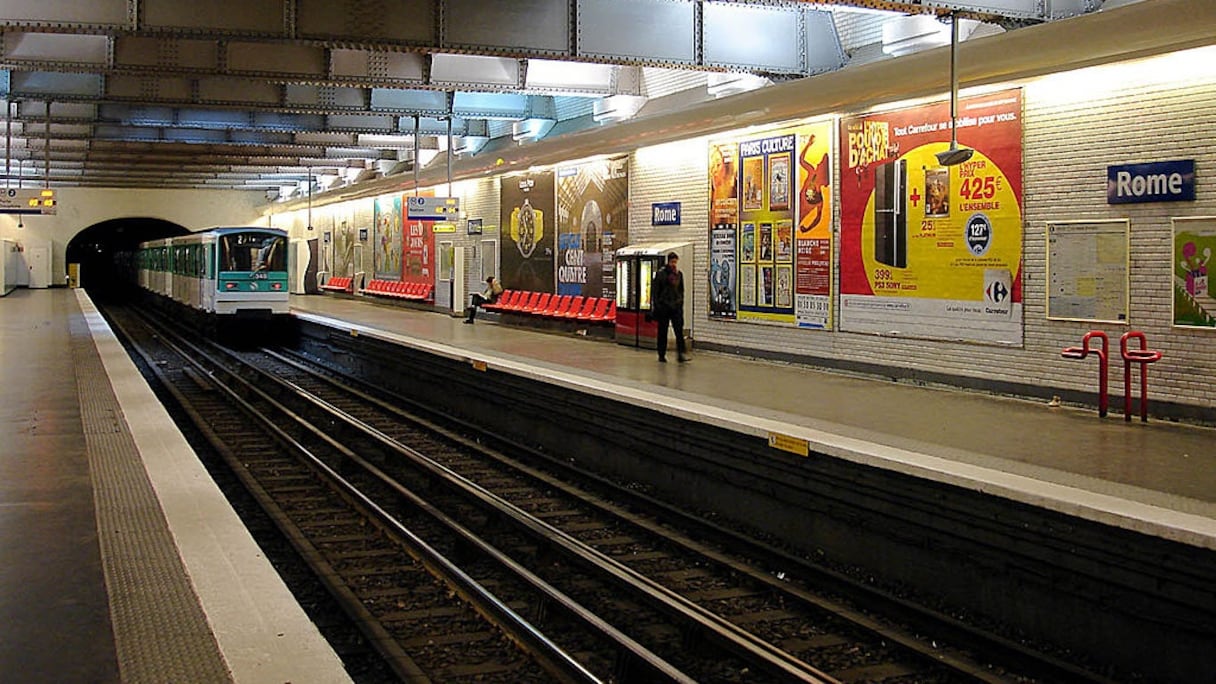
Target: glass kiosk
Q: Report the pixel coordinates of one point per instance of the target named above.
(636, 266)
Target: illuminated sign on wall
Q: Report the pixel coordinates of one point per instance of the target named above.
(27, 201)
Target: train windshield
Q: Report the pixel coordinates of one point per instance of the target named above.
(253, 252)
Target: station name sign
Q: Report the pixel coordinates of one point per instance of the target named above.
(1166, 181)
(433, 208)
(665, 214)
(27, 201)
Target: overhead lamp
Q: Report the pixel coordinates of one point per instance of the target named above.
(913, 33)
(955, 155)
(426, 156)
(616, 108)
(469, 144)
(723, 84)
(528, 130)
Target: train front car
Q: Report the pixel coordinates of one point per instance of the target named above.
(250, 295)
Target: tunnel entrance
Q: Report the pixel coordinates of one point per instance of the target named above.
(106, 252)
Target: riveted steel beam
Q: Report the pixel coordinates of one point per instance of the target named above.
(291, 36)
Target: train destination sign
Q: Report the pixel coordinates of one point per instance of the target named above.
(27, 201)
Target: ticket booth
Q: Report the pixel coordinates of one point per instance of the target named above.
(636, 266)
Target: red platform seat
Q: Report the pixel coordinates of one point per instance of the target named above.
(338, 285)
(571, 303)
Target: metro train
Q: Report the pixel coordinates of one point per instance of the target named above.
(225, 279)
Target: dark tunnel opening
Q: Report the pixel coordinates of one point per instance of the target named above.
(105, 252)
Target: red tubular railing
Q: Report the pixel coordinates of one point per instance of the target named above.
(1103, 355)
(1142, 356)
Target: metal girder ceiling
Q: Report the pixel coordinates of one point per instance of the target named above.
(202, 92)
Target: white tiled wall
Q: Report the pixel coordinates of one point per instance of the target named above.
(1074, 125)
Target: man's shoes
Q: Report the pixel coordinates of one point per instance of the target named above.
(683, 359)
(662, 359)
(467, 321)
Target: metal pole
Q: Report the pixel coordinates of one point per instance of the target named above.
(8, 142)
(310, 199)
(449, 156)
(417, 125)
(953, 80)
(47, 144)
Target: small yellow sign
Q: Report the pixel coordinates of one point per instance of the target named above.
(354, 333)
(480, 366)
(793, 445)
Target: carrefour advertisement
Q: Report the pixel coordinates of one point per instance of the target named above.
(527, 205)
(387, 243)
(771, 194)
(1194, 297)
(592, 223)
(929, 250)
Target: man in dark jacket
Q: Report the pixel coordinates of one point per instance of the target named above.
(667, 305)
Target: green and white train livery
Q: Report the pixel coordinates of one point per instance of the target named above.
(239, 272)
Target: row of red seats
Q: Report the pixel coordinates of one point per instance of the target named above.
(568, 307)
(393, 288)
(338, 284)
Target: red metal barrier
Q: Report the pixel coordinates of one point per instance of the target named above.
(1142, 356)
(1103, 355)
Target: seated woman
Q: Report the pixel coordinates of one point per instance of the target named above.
(487, 296)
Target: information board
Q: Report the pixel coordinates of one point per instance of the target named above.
(1087, 270)
(31, 201)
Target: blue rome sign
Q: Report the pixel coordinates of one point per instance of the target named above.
(665, 214)
(1167, 181)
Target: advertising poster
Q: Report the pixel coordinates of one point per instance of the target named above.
(418, 252)
(1194, 299)
(722, 271)
(528, 232)
(785, 227)
(345, 237)
(813, 237)
(765, 164)
(773, 192)
(928, 250)
(387, 239)
(592, 223)
(723, 184)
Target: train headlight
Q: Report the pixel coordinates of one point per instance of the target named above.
(276, 286)
(230, 286)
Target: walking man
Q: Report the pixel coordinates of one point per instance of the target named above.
(667, 305)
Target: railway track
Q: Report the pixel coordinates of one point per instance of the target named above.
(391, 501)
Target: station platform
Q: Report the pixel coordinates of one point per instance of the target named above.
(1157, 479)
(121, 560)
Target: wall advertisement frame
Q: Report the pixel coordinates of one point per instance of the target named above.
(771, 226)
(926, 250)
(1194, 293)
(592, 223)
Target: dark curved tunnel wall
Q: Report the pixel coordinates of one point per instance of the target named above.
(105, 252)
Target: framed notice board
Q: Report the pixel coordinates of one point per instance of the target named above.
(1088, 268)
